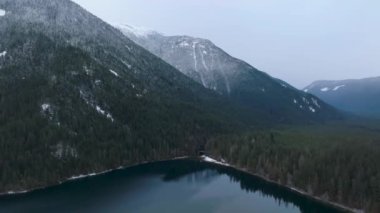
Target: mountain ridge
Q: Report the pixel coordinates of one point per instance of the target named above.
(215, 69)
(358, 96)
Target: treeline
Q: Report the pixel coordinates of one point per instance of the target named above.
(336, 163)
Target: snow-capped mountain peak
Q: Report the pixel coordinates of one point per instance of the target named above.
(213, 68)
(136, 30)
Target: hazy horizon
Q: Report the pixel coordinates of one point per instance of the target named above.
(296, 41)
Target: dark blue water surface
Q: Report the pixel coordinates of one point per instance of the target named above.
(176, 186)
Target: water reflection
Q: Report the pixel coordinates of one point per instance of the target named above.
(204, 172)
(174, 186)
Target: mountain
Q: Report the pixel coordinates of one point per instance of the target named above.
(361, 96)
(213, 68)
(77, 97)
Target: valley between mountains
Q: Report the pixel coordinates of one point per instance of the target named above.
(80, 96)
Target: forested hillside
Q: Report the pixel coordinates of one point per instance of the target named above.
(78, 97)
(336, 162)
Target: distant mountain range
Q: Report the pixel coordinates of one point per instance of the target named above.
(213, 68)
(360, 96)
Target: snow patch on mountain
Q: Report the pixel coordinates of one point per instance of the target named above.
(312, 109)
(87, 97)
(184, 44)
(2, 54)
(47, 111)
(204, 62)
(338, 87)
(325, 89)
(2, 12)
(45, 107)
(195, 43)
(87, 70)
(98, 82)
(135, 30)
(211, 160)
(126, 64)
(114, 73)
(103, 112)
(315, 102)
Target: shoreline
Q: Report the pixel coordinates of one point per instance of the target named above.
(292, 189)
(203, 158)
(83, 176)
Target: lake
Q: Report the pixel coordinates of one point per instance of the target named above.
(183, 186)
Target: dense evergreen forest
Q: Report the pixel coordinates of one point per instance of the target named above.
(56, 120)
(336, 162)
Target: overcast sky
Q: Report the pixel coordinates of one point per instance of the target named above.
(298, 41)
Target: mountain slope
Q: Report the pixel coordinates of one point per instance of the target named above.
(213, 68)
(77, 97)
(361, 97)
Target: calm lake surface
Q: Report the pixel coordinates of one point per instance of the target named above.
(177, 186)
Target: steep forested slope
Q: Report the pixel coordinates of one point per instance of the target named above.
(77, 96)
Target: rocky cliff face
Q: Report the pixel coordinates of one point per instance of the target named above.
(213, 68)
